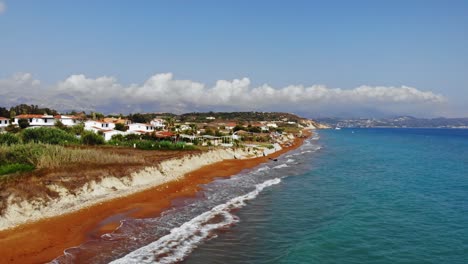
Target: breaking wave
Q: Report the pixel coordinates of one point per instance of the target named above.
(176, 245)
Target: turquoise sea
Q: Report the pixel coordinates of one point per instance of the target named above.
(346, 196)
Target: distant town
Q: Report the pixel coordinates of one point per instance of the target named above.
(396, 122)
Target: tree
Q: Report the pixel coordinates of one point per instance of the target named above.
(120, 126)
(170, 123)
(58, 124)
(4, 112)
(238, 127)
(23, 123)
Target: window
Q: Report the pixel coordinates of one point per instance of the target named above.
(45, 120)
(30, 120)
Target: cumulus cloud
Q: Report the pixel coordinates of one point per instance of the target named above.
(2, 7)
(162, 92)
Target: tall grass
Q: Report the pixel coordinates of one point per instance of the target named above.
(57, 156)
(54, 156)
(151, 144)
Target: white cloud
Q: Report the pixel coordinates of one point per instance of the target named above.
(2, 7)
(162, 92)
(18, 84)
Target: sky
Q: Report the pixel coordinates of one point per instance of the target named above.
(315, 58)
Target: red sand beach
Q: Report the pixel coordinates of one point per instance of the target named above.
(44, 240)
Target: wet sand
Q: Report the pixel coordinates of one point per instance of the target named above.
(45, 240)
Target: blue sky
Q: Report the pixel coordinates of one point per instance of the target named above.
(337, 44)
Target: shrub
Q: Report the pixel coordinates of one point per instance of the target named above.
(58, 124)
(77, 129)
(91, 138)
(120, 126)
(15, 167)
(49, 136)
(8, 139)
(12, 129)
(23, 123)
(20, 153)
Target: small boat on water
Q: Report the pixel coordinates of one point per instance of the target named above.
(337, 128)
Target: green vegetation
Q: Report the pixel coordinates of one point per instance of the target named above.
(15, 167)
(26, 157)
(23, 123)
(120, 127)
(148, 144)
(91, 138)
(9, 139)
(239, 116)
(47, 135)
(30, 109)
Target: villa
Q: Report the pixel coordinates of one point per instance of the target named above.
(158, 123)
(139, 128)
(4, 122)
(96, 126)
(68, 120)
(36, 120)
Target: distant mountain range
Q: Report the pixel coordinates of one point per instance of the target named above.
(398, 122)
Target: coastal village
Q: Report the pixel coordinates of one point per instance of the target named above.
(54, 164)
(205, 130)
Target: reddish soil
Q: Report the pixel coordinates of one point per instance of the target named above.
(44, 240)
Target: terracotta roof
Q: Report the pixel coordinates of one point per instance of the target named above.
(164, 134)
(140, 131)
(231, 124)
(121, 121)
(32, 116)
(66, 116)
(4, 118)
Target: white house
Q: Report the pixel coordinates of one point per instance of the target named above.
(36, 120)
(93, 125)
(158, 123)
(139, 128)
(4, 122)
(272, 125)
(68, 120)
(109, 133)
(210, 118)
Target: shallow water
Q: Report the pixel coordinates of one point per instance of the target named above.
(372, 196)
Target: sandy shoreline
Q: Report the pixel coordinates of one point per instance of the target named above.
(46, 239)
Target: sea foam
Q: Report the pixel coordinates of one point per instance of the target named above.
(176, 245)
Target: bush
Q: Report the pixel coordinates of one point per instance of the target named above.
(47, 135)
(77, 129)
(120, 126)
(19, 153)
(12, 129)
(9, 139)
(23, 123)
(91, 138)
(15, 167)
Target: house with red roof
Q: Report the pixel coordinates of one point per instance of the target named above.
(36, 120)
(4, 122)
